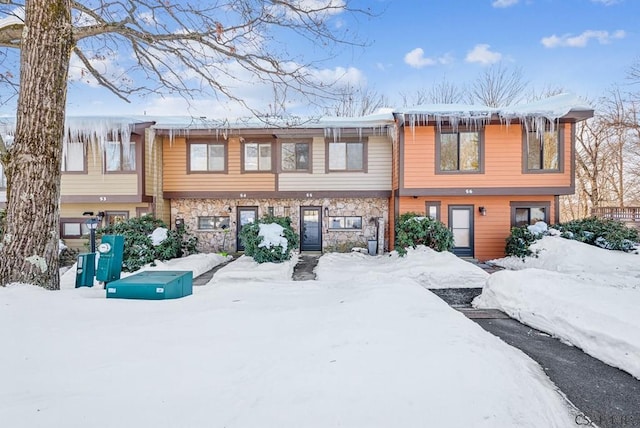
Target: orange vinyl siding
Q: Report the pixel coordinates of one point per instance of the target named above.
(176, 178)
(491, 230)
(502, 161)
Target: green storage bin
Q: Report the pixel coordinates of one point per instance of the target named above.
(152, 285)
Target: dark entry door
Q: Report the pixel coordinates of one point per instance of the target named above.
(461, 224)
(310, 229)
(246, 215)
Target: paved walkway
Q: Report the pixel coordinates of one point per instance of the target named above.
(606, 396)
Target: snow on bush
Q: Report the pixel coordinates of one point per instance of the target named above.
(269, 239)
(272, 236)
(158, 236)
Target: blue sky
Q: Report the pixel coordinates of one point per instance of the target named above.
(582, 46)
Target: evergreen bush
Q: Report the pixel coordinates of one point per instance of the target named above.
(138, 246)
(519, 241)
(601, 232)
(252, 240)
(413, 229)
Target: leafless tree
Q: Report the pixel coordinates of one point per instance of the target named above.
(184, 47)
(356, 101)
(546, 92)
(443, 92)
(498, 86)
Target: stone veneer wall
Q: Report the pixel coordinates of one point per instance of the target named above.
(332, 240)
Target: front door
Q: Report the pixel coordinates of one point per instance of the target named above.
(461, 224)
(310, 229)
(246, 215)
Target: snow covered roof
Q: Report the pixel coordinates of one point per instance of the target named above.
(564, 105)
(551, 108)
(272, 122)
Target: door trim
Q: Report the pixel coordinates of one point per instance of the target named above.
(464, 251)
(239, 246)
(317, 247)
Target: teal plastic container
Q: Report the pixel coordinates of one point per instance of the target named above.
(152, 285)
(85, 269)
(111, 251)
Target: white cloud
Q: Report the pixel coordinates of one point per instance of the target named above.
(481, 53)
(504, 3)
(580, 41)
(606, 2)
(416, 59)
(315, 8)
(106, 65)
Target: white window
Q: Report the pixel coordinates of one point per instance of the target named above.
(257, 157)
(120, 157)
(73, 157)
(207, 157)
(348, 156)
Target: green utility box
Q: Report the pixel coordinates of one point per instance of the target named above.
(152, 285)
(111, 251)
(85, 269)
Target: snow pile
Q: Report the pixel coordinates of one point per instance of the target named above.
(158, 236)
(569, 256)
(430, 268)
(246, 269)
(61, 246)
(272, 236)
(582, 294)
(197, 263)
(538, 228)
(251, 353)
(602, 321)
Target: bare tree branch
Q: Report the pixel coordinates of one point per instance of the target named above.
(498, 86)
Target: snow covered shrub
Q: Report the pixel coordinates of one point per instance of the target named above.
(605, 233)
(413, 229)
(147, 239)
(269, 239)
(519, 241)
(66, 256)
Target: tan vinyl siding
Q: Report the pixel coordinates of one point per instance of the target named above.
(153, 165)
(97, 182)
(377, 177)
(502, 161)
(76, 210)
(176, 178)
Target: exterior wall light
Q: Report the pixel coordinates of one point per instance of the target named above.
(326, 211)
(482, 211)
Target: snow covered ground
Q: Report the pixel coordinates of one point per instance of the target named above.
(363, 346)
(430, 268)
(584, 295)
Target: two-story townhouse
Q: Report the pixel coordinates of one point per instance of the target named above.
(332, 177)
(108, 168)
(483, 170)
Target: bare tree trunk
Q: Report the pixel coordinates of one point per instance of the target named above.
(29, 251)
